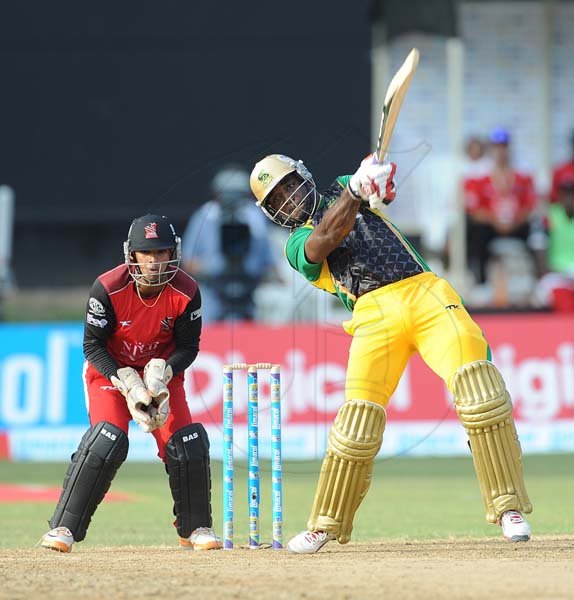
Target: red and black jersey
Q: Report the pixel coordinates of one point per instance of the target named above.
(504, 202)
(122, 330)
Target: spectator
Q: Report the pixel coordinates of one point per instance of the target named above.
(563, 172)
(227, 249)
(478, 163)
(557, 286)
(498, 205)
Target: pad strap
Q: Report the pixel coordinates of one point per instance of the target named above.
(102, 450)
(354, 441)
(485, 410)
(188, 467)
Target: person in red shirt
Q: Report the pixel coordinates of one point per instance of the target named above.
(142, 330)
(499, 204)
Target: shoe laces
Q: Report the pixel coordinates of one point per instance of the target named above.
(315, 536)
(514, 516)
(206, 530)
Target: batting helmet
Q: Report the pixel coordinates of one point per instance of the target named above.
(270, 172)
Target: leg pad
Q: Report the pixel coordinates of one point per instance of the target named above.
(94, 465)
(354, 442)
(485, 410)
(188, 467)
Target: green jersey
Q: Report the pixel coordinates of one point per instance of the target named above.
(560, 255)
(374, 254)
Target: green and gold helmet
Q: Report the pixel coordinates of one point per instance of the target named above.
(267, 174)
(269, 171)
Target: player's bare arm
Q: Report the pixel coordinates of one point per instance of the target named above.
(334, 227)
(372, 184)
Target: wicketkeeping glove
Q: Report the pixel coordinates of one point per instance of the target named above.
(373, 182)
(157, 374)
(138, 399)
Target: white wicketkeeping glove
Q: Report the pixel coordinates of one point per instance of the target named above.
(157, 374)
(373, 182)
(138, 399)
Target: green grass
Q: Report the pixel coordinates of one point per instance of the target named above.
(409, 499)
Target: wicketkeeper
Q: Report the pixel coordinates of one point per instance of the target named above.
(142, 330)
(342, 243)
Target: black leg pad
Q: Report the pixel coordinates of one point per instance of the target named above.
(187, 464)
(95, 463)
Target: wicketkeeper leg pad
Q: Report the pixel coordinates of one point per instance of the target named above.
(485, 410)
(188, 467)
(102, 450)
(354, 441)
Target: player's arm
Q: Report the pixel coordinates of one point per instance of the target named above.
(187, 331)
(373, 184)
(335, 226)
(99, 325)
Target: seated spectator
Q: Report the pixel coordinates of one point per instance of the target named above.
(498, 205)
(563, 172)
(557, 287)
(226, 247)
(477, 162)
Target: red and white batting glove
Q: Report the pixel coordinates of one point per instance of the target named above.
(374, 182)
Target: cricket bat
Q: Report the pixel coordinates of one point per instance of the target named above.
(393, 101)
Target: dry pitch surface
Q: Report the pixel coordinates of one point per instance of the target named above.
(457, 569)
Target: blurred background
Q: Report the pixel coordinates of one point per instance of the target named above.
(112, 110)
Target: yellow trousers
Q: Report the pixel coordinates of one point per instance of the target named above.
(419, 314)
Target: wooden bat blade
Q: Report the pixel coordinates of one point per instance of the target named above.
(393, 101)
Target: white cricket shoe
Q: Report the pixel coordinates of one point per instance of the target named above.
(202, 538)
(514, 526)
(309, 542)
(59, 539)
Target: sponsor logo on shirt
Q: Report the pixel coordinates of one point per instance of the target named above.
(96, 307)
(125, 323)
(136, 350)
(195, 314)
(96, 322)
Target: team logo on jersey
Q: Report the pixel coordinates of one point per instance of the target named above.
(167, 324)
(96, 307)
(151, 231)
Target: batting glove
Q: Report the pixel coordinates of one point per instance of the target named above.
(138, 399)
(374, 182)
(157, 374)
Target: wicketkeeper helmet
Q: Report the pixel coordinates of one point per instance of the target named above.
(152, 232)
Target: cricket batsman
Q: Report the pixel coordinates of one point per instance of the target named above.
(142, 330)
(342, 243)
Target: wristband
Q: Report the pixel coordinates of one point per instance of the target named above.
(355, 196)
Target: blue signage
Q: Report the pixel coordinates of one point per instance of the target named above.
(41, 375)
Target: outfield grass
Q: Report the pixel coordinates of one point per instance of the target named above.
(409, 498)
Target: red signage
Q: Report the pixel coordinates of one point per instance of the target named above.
(535, 354)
